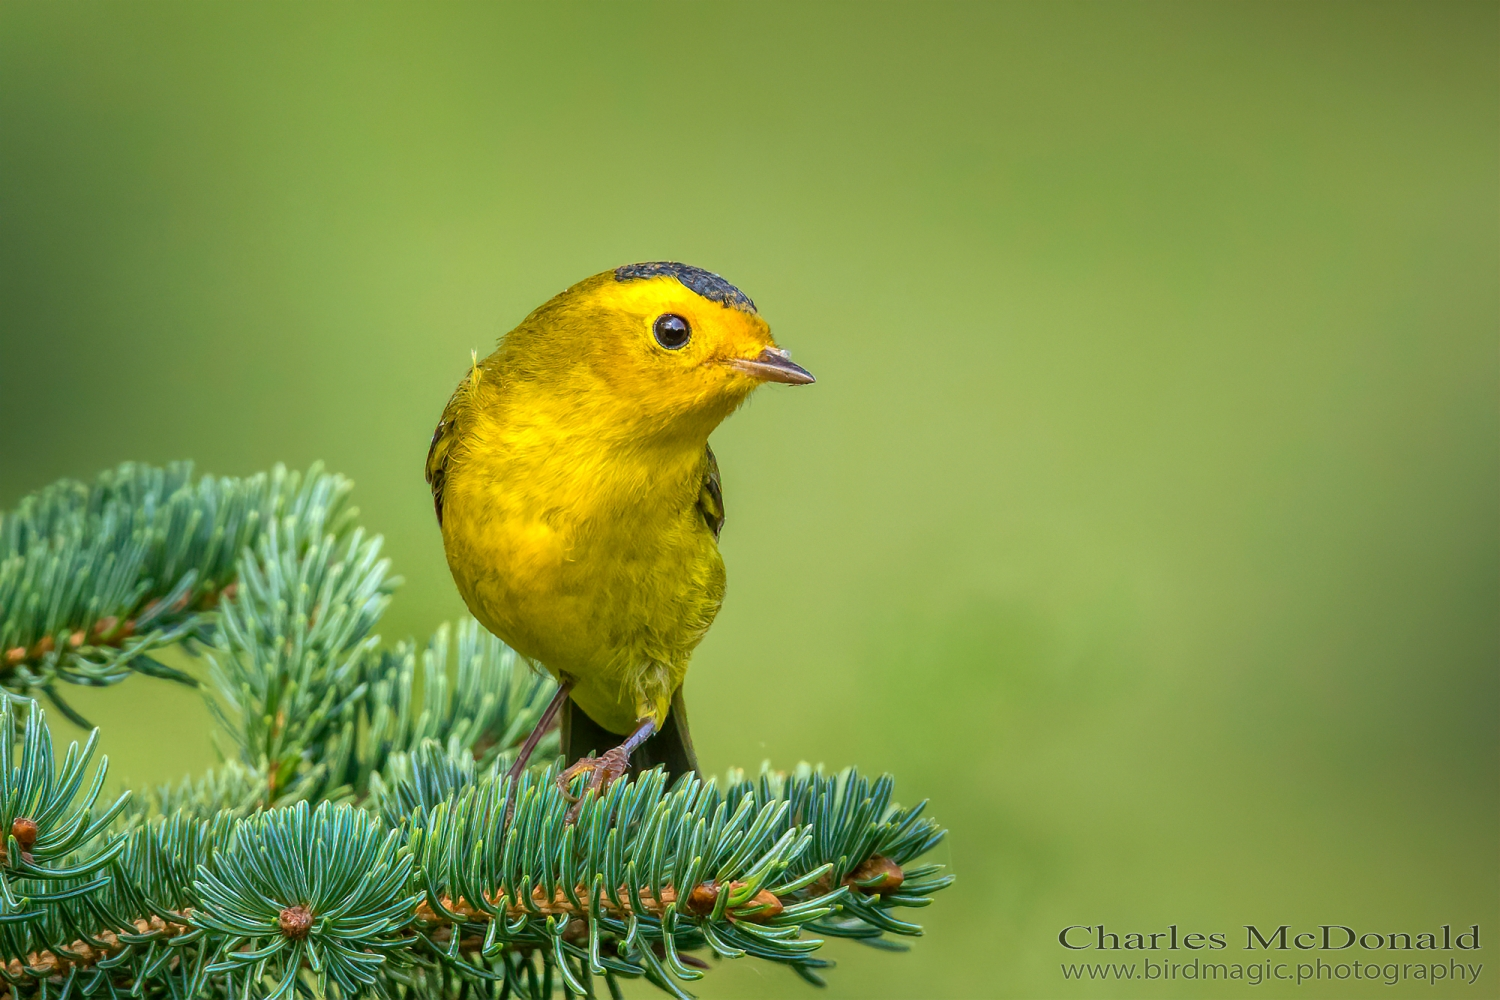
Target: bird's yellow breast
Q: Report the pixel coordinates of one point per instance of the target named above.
(583, 549)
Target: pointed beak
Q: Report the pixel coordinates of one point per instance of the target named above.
(774, 365)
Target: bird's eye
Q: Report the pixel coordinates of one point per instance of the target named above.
(672, 331)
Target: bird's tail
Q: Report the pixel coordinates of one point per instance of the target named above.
(671, 746)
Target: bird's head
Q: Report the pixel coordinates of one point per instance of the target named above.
(670, 346)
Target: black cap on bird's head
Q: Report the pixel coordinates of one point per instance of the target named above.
(707, 284)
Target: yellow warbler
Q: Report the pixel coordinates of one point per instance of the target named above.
(580, 503)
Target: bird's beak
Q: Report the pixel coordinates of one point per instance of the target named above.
(773, 365)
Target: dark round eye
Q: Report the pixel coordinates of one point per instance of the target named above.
(672, 331)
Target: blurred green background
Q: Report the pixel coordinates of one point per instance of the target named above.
(1143, 516)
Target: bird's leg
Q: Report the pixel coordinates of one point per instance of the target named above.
(542, 725)
(612, 764)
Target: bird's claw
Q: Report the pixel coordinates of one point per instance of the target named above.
(603, 771)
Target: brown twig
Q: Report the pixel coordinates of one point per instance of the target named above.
(43, 964)
(761, 907)
(109, 631)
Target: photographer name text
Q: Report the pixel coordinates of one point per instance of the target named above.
(1322, 937)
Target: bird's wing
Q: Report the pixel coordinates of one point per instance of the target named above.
(444, 440)
(710, 495)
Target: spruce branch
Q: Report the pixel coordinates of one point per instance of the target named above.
(477, 718)
(326, 888)
(290, 659)
(57, 845)
(94, 579)
(491, 888)
(365, 839)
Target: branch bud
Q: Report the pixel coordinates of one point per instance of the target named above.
(296, 921)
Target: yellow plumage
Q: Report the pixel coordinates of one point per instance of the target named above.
(578, 498)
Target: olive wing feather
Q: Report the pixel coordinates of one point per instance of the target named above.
(711, 496)
(445, 441)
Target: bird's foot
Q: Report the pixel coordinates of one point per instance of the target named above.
(603, 771)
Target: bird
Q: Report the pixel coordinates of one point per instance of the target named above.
(580, 504)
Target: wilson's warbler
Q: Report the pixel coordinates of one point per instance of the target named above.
(580, 503)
